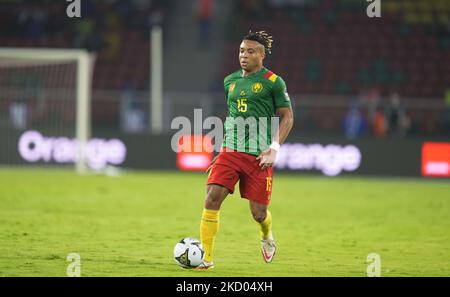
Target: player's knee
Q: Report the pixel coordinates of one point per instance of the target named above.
(211, 203)
(259, 216)
(213, 199)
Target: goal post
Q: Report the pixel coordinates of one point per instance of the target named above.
(26, 57)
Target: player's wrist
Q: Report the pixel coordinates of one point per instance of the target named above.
(275, 146)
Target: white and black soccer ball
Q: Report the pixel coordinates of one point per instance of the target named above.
(188, 253)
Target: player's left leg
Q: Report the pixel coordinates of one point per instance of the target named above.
(263, 217)
(256, 186)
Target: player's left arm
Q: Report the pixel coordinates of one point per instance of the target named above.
(286, 121)
(286, 117)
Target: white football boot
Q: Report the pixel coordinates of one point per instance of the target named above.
(205, 265)
(268, 248)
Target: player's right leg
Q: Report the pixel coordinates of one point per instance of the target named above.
(222, 178)
(209, 225)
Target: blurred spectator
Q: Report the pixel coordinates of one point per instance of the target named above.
(354, 123)
(398, 121)
(112, 38)
(18, 115)
(132, 114)
(379, 123)
(112, 44)
(33, 22)
(373, 99)
(370, 99)
(204, 11)
(86, 36)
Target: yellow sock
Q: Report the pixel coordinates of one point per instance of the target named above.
(209, 226)
(266, 226)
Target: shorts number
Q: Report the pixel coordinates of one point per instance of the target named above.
(242, 104)
(268, 183)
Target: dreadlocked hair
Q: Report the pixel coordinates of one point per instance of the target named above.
(261, 37)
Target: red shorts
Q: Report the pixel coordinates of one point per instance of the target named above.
(254, 184)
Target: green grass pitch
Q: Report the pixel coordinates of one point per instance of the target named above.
(128, 225)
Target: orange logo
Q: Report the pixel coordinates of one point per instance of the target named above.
(231, 89)
(436, 159)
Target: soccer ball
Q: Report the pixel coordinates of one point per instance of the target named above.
(188, 253)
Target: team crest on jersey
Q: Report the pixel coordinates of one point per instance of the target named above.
(257, 87)
(231, 89)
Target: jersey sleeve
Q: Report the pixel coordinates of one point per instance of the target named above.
(280, 94)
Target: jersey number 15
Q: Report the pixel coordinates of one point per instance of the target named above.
(242, 105)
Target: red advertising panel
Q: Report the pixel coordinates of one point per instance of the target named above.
(436, 159)
(195, 153)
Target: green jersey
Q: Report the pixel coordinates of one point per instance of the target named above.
(252, 104)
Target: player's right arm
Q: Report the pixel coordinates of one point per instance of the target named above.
(226, 87)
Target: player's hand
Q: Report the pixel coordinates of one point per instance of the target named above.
(211, 164)
(267, 158)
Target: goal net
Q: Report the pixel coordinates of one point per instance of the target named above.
(45, 106)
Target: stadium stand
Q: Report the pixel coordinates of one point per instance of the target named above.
(322, 47)
(339, 50)
(330, 48)
(116, 30)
